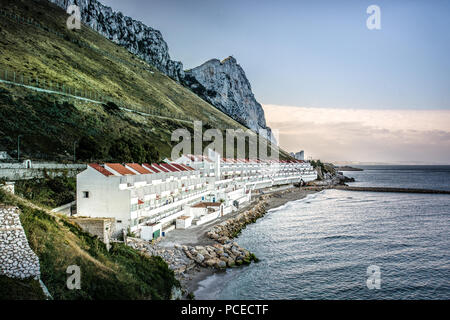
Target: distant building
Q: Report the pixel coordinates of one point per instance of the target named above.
(299, 155)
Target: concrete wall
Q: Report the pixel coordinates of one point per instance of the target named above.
(102, 228)
(27, 170)
(41, 165)
(17, 260)
(66, 209)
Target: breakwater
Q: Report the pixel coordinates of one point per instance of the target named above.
(389, 189)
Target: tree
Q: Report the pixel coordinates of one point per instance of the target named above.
(88, 149)
(120, 151)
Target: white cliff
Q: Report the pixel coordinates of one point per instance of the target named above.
(225, 85)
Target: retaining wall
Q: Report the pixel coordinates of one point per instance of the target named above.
(17, 260)
(19, 171)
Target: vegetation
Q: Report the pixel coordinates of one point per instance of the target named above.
(15, 289)
(48, 192)
(121, 273)
(316, 164)
(52, 126)
(323, 168)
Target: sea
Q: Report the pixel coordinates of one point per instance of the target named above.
(349, 245)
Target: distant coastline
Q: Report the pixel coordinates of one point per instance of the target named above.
(348, 168)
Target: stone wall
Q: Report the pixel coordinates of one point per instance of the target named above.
(8, 187)
(17, 260)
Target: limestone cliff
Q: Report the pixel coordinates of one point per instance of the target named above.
(225, 85)
(221, 83)
(145, 42)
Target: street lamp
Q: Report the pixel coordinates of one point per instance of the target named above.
(74, 150)
(18, 147)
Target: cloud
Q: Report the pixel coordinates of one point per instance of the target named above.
(363, 135)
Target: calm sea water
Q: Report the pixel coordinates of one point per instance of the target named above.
(320, 247)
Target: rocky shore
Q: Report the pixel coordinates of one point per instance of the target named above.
(192, 262)
(231, 228)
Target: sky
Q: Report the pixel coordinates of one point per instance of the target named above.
(319, 59)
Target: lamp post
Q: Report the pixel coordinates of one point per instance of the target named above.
(74, 150)
(18, 147)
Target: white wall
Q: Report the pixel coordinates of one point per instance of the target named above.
(105, 199)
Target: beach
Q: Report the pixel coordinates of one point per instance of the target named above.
(196, 236)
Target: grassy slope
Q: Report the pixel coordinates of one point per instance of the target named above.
(50, 129)
(121, 273)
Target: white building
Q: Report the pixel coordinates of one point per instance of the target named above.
(299, 155)
(151, 199)
(137, 195)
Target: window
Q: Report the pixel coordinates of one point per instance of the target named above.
(85, 194)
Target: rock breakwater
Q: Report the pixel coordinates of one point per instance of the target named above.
(231, 228)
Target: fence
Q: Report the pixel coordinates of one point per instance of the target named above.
(29, 21)
(48, 86)
(43, 85)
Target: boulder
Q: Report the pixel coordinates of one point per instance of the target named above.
(199, 258)
(211, 262)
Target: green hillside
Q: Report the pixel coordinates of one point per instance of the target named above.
(121, 273)
(37, 49)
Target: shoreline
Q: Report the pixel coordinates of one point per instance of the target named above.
(275, 200)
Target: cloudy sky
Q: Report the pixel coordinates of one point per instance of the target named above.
(329, 84)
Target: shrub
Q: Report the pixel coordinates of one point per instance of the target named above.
(50, 192)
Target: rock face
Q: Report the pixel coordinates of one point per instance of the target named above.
(225, 86)
(17, 260)
(143, 41)
(221, 83)
(330, 177)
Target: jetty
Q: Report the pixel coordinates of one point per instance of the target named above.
(389, 189)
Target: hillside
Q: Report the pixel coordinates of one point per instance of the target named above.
(121, 273)
(37, 49)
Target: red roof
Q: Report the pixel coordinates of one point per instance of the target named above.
(169, 167)
(120, 169)
(100, 169)
(150, 168)
(179, 167)
(161, 169)
(140, 201)
(187, 167)
(137, 167)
